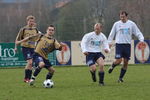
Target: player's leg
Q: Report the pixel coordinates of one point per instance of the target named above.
(123, 70)
(118, 58)
(91, 63)
(50, 73)
(28, 68)
(101, 73)
(51, 70)
(114, 64)
(93, 72)
(126, 56)
(39, 62)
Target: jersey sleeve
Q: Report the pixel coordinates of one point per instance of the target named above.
(20, 35)
(84, 43)
(112, 34)
(137, 32)
(57, 44)
(105, 44)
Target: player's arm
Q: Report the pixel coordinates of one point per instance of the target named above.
(137, 32)
(18, 39)
(106, 45)
(112, 35)
(84, 44)
(58, 46)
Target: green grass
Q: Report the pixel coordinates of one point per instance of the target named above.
(74, 83)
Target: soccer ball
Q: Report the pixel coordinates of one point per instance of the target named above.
(48, 83)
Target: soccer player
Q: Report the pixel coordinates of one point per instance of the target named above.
(45, 45)
(123, 30)
(27, 44)
(91, 47)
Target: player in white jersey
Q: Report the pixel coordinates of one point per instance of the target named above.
(91, 46)
(123, 30)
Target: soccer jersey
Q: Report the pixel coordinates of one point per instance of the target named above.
(26, 32)
(46, 45)
(124, 31)
(92, 42)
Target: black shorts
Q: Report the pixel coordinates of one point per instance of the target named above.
(27, 53)
(123, 51)
(38, 58)
(92, 57)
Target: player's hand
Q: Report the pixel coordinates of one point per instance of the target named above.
(15, 50)
(106, 51)
(86, 53)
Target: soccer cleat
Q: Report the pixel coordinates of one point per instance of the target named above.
(110, 69)
(101, 84)
(26, 80)
(120, 81)
(31, 82)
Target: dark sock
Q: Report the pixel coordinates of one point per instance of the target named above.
(29, 74)
(122, 73)
(114, 65)
(101, 77)
(37, 71)
(49, 75)
(93, 74)
(26, 73)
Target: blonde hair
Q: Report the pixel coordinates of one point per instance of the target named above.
(30, 17)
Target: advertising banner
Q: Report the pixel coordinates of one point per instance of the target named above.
(63, 57)
(77, 56)
(8, 57)
(142, 51)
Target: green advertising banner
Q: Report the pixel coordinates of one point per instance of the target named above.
(9, 58)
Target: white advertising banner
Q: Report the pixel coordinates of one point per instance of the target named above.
(77, 56)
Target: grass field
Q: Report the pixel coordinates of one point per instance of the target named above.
(74, 83)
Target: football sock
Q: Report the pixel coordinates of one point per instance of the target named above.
(122, 73)
(37, 71)
(114, 65)
(49, 75)
(26, 73)
(93, 74)
(101, 76)
(29, 74)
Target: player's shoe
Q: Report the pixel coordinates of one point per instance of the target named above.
(26, 80)
(32, 81)
(120, 80)
(101, 84)
(110, 69)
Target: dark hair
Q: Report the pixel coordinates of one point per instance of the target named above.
(123, 12)
(51, 26)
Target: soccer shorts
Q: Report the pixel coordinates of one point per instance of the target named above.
(92, 57)
(38, 58)
(27, 53)
(123, 51)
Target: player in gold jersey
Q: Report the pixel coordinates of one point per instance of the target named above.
(45, 45)
(27, 44)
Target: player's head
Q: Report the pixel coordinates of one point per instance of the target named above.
(50, 30)
(98, 28)
(30, 20)
(123, 16)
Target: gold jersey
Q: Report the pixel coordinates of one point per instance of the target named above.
(26, 32)
(45, 45)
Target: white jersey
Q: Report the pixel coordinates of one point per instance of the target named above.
(91, 42)
(124, 31)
